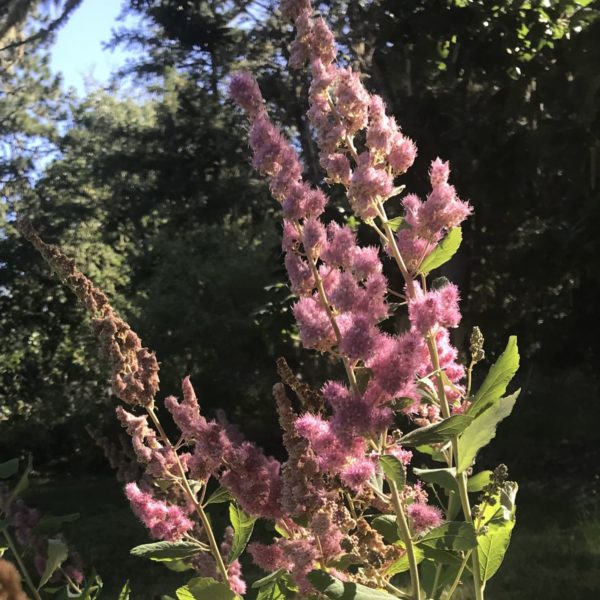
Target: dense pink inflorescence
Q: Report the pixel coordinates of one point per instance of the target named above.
(342, 291)
(164, 521)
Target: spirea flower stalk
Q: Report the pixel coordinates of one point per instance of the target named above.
(352, 505)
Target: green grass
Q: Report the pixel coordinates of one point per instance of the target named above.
(554, 553)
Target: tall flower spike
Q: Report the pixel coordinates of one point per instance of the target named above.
(134, 368)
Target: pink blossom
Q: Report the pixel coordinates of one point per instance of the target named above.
(254, 480)
(268, 558)
(299, 273)
(404, 456)
(413, 248)
(322, 45)
(314, 235)
(438, 307)
(315, 203)
(369, 184)
(442, 210)
(337, 167)
(290, 237)
(291, 9)
(346, 293)
(366, 262)
(358, 472)
(322, 76)
(402, 154)
(341, 244)
(396, 360)
(328, 534)
(187, 413)
(314, 324)
(359, 338)
(246, 93)
(164, 521)
(423, 517)
(352, 101)
(439, 172)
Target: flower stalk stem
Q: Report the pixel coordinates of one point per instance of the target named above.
(212, 542)
(406, 538)
(435, 361)
(13, 548)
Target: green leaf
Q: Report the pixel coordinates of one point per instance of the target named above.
(243, 525)
(57, 554)
(125, 591)
(9, 468)
(3, 549)
(492, 546)
(398, 223)
(445, 478)
(438, 432)
(387, 526)
(346, 560)
(443, 252)
(23, 482)
(50, 525)
(270, 578)
(479, 481)
(162, 551)
(272, 591)
(453, 535)
(205, 588)
(218, 496)
(402, 564)
(343, 590)
(499, 376)
(394, 470)
(482, 430)
(179, 565)
(444, 557)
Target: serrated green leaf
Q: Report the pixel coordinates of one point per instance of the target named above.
(272, 591)
(220, 495)
(478, 481)
(50, 525)
(482, 430)
(242, 524)
(453, 535)
(346, 560)
(398, 223)
(179, 565)
(270, 578)
(23, 482)
(343, 590)
(443, 252)
(394, 470)
(497, 380)
(125, 591)
(445, 557)
(205, 588)
(438, 432)
(9, 468)
(402, 564)
(57, 554)
(492, 546)
(445, 478)
(163, 551)
(387, 526)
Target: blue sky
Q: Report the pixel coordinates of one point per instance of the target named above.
(78, 52)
